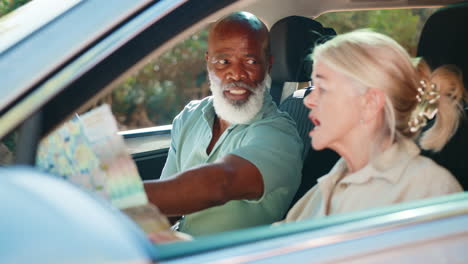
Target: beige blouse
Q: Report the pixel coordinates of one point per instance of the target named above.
(397, 175)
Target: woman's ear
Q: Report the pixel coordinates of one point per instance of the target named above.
(374, 102)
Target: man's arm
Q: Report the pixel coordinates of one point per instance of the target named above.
(229, 178)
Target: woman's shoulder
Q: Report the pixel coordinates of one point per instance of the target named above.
(428, 166)
(425, 171)
(307, 207)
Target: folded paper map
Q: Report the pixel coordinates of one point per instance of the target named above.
(89, 152)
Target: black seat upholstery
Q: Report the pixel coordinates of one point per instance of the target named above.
(444, 40)
(292, 41)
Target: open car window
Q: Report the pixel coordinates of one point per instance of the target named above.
(156, 92)
(403, 25)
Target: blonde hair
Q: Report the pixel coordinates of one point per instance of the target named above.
(375, 60)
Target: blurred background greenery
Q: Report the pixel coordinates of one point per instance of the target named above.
(6, 6)
(155, 93)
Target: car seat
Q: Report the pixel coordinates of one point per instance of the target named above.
(292, 40)
(444, 40)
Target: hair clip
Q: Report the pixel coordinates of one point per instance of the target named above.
(428, 103)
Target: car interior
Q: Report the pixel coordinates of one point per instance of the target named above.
(292, 40)
(405, 231)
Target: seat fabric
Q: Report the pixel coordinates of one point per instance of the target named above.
(291, 40)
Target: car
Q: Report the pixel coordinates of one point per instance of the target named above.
(78, 52)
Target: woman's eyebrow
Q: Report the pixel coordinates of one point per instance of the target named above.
(318, 76)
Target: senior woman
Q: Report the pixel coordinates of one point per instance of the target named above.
(370, 102)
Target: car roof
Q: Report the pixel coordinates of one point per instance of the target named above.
(57, 57)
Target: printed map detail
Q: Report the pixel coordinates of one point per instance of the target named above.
(90, 153)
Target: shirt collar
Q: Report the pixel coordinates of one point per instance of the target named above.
(208, 111)
(389, 165)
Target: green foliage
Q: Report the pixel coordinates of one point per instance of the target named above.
(8, 148)
(6, 6)
(10, 140)
(164, 85)
(403, 25)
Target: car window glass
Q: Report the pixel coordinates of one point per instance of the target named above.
(8, 143)
(403, 25)
(7, 148)
(158, 91)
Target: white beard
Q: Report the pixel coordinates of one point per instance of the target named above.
(237, 112)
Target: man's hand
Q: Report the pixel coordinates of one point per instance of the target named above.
(168, 236)
(229, 178)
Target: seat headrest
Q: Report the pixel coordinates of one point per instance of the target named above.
(292, 39)
(444, 38)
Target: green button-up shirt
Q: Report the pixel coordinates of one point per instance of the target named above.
(270, 142)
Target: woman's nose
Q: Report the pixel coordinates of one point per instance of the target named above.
(310, 99)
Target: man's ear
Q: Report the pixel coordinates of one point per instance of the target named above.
(374, 100)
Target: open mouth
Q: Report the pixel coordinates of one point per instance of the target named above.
(316, 123)
(314, 120)
(237, 93)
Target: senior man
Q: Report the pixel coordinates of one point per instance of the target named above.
(235, 160)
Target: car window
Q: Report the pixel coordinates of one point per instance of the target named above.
(7, 148)
(155, 93)
(8, 143)
(403, 25)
